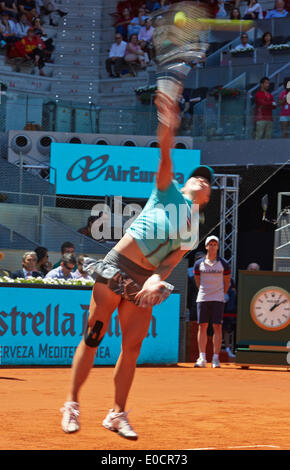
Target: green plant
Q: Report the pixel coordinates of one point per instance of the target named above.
(279, 47)
(232, 92)
(47, 281)
(144, 94)
(243, 50)
(3, 197)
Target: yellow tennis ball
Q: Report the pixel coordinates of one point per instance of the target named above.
(180, 19)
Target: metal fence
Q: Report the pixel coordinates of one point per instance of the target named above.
(49, 221)
(281, 261)
(220, 116)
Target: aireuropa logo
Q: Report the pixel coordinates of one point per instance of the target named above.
(89, 169)
(162, 222)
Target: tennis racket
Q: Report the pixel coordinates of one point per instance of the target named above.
(179, 42)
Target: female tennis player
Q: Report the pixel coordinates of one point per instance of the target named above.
(131, 276)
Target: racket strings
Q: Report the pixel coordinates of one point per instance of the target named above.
(173, 40)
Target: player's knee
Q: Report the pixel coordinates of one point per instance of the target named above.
(132, 348)
(93, 335)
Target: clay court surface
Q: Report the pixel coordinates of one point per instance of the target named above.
(172, 408)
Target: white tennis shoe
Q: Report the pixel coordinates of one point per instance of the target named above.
(118, 422)
(200, 362)
(230, 353)
(215, 363)
(70, 419)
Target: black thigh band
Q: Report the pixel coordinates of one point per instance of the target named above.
(92, 339)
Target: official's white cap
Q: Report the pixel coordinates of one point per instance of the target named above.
(211, 238)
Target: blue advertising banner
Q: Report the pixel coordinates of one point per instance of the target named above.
(43, 326)
(100, 170)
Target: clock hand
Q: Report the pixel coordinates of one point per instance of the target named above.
(277, 305)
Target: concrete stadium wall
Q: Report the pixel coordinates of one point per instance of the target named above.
(244, 152)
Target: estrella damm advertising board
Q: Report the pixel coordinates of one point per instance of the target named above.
(43, 326)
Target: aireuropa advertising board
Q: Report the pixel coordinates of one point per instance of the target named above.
(43, 326)
(104, 170)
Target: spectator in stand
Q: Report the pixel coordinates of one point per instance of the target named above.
(8, 29)
(137, 22)
(115, 61)
(164, 4)
(235, 14)
(149, 6)
(3, 271)
(10, 7)
(213, 7)
(145, 38)
(146, 32)
(48, 42)
(244, 43)
(66, 248)
(28, 7)
(253, 267)
(122, 23)
(134, 53)
(253, 11)
(31, 47)
(279, 11)
(267, 39)
(264, 110)
(37, 26)
(65, 270)
(87, 230)
(42, 263)
(29, 268)
(285, 108)
(80, 273)
(48, 7)
(22, 26)
(221, 13)
(124, 4)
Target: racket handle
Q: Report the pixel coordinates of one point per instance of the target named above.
(171, 88)
(168, 111)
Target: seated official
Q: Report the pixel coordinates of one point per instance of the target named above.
(29, 268)
(64, 271)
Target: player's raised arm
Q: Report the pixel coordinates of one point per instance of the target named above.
(165, 170)
(169, 119)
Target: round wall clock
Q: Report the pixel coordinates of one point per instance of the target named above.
(270, 308)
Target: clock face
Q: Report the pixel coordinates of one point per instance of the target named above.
(270, 308)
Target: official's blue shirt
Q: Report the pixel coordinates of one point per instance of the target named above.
(211, 279)
(167, 222)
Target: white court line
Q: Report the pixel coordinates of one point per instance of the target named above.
(259, 445)
(203, 448)
(237, 447)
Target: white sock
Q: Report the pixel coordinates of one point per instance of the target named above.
(202, 356)
(215, 357)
